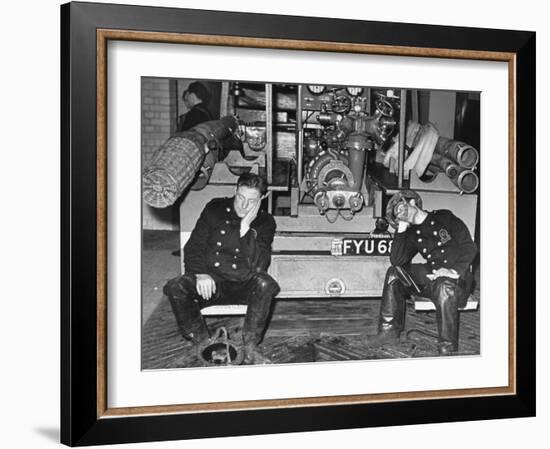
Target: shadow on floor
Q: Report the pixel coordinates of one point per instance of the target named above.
(49, 433)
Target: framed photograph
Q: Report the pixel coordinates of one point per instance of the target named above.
(281, 224)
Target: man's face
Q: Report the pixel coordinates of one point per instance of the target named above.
(189, 99)
(406, 211)
(245, 199)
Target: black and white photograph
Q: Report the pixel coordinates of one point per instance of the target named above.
(275, 224)
(306, 223)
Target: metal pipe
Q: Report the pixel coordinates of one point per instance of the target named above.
(449, 167)
(299, 137)
(402, 138)
(465, 155)
(414, 106)
(369, 101)
(467, 181)
(357, 167)
(226, 99)
(269, 131)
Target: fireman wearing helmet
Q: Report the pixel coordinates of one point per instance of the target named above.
(445, 243)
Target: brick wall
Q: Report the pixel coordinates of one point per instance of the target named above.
(158, 113)
(158, 122)
(161, 103)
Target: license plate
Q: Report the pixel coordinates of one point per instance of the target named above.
(367, 246)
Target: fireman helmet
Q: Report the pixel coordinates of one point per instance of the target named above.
(403, 195)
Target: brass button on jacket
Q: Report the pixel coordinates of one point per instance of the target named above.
(216, 247)
(442, 238)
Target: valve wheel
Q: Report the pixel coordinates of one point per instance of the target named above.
(384, 106)
(341, 104)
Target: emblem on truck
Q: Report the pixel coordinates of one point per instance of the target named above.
(335, 287)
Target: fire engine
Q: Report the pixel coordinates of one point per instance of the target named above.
(332, 156)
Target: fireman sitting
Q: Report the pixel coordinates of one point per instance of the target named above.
(226, 259)
(446, 245)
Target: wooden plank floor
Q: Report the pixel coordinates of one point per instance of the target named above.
(299, 331)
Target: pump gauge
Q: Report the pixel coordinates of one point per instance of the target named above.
(316, 89)
(354, 91)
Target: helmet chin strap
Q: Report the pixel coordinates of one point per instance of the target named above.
(420, 216)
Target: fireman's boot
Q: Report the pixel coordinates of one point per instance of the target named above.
(262, 288)
(446, 306)
(392, 312)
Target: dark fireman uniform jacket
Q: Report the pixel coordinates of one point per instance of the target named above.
(197, 114)
(216, 248)
(442, 239)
